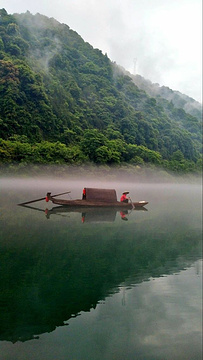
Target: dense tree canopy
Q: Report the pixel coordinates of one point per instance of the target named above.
(63, 101)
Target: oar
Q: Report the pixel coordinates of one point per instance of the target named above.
(31, 207)
(29, 202)
(131, 203)
(44, 211)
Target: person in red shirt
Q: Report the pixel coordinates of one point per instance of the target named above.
(124, 197)
(123, 215)
(84, 194)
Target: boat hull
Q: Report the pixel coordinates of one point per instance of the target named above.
(103, 204)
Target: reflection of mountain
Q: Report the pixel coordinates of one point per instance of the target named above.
(52, 272)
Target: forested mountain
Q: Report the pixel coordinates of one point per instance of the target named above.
(178, 99)
(61, 100)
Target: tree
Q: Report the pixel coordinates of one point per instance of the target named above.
(91, 141)
(177, 156)
(102, 155)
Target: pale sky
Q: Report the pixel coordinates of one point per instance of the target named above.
(158, 39)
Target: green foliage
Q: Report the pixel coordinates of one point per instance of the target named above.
(69, 103)
(17, 149)
(91, 141)
(102, 154)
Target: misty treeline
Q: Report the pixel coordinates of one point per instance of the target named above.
(62, 101)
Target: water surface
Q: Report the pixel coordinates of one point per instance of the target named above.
(100, 285)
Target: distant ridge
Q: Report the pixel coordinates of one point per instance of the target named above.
(180, 100)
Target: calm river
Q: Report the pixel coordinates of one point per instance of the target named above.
(100, 285)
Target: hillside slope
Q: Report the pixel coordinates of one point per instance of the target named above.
(178, 99)
(58, 88)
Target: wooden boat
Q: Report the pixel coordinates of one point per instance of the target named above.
(105, 198)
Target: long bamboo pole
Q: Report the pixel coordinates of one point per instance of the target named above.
(31, 201)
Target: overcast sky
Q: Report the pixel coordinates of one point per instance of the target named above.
(158, 39)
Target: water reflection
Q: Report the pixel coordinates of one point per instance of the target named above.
(52, 271)
(88, 214)
(56, 272)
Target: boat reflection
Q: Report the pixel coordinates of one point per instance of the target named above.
(88, 214)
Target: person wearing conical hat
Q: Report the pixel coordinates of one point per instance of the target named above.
(124, 197)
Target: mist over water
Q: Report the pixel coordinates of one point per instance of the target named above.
(124, 289)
